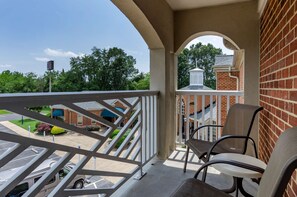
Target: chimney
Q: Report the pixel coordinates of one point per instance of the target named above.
(196, 77)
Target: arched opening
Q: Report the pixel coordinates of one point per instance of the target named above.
(208, 62)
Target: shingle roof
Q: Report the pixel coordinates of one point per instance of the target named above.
(223, 60)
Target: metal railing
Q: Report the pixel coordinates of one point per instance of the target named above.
(139, 117)
(200, 107)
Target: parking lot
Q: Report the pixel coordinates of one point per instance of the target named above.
(29, 153)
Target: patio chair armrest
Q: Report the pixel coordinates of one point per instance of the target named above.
(230, 137)
(194, 131)
(230, 162)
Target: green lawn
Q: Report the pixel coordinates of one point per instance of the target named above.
(2, 111)
(45, 110)
(26, 124)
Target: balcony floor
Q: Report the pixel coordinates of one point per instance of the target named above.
(164, 176)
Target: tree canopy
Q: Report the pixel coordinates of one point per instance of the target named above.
(202, 56)
(103, 69)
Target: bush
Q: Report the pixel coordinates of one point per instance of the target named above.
(36, 125)
(57, 130)
(43, 127)
(92, 128)
(121, 140)
(114, 133)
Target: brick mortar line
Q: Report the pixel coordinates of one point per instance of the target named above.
(267, 45)
(271, 26)
(281, 69)
(277, 89)
(283, 57)
(274, 80)
(271, 131)
(289, 113)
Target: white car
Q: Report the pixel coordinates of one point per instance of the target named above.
(22, 187)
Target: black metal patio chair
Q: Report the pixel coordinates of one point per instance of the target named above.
(281, 165)
(235, 134)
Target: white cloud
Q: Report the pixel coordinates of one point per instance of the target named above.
(61, 53)
(5, 65)
(42, 59)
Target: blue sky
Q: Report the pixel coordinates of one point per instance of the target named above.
(35, 31)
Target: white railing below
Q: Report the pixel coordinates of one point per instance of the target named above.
(139, 147)
(201, 107)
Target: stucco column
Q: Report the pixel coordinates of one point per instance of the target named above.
(163, 72)
(251, 84)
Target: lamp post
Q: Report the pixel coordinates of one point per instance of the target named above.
(50, 67)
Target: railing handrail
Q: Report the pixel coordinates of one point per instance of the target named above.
(53, 97)
(209, 92)
(109, 93)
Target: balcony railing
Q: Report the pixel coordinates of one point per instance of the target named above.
(197, 107)
(137, 121)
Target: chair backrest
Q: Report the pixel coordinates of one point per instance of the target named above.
(282, 163)
(239, 121)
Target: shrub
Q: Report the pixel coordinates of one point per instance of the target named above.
(114, 133)
(92, 128)
(43, 127)
(57, 130)
(36, 125)
(121, 140)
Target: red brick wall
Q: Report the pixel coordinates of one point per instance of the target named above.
(278, 76)
(225, 82)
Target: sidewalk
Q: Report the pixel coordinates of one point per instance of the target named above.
(74, 140)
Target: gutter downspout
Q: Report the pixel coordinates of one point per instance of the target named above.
(235, 77)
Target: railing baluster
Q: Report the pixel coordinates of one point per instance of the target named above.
(219, 116)
(187, 117)
(211, 118)
(195, 115)
(213, 102)
(203, 117)
(155, 122)
(228, 103)
(180, 125)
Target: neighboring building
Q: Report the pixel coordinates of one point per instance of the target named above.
(71, 117)
(229, 75)
(188, 103)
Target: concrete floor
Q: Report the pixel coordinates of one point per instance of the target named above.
(163, 177)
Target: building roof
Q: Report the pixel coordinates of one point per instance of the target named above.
(197, 69)
(223, 60)
(92, 105)
(196, 87)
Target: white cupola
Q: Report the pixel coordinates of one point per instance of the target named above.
(196, 77)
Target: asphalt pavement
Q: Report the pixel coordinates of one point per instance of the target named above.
(29, 153)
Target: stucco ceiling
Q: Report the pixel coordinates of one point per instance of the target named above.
(190, 4)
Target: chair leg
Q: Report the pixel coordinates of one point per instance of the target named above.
(186, 160)
(204, 174)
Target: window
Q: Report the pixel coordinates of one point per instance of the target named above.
(19, 190)
(79, 119)
(63, 172)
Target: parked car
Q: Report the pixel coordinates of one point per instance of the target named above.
(22, 187)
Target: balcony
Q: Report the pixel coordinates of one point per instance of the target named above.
(99, 158)
(155, 119)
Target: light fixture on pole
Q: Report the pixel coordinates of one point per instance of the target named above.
(50, 67)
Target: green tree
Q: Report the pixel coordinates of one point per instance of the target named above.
(105, 69)
(140, 82)
(202, 56)
(13, 82)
